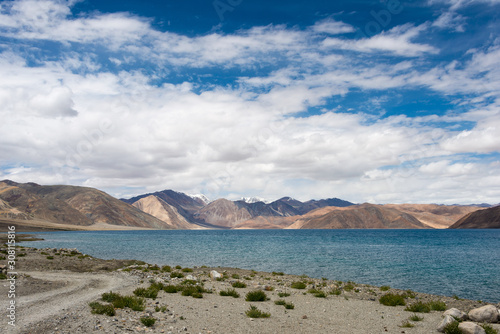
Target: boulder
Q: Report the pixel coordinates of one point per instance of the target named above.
(471, 328)
(456, 313)
(191, 277)
(214, 274)
(448, 319)
(487, 313)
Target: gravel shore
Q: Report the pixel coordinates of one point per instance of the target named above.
(54, 288)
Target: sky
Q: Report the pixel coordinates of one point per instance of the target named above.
(370, 101)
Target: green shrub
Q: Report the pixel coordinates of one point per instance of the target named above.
(289, 306)
(229, 292)
(110, 296)
(98, 308)
(166, 269)
(148, 321)
(239, 284)
(193, 291)
(50, 258)
(235, 276)
(187, 270)
(132, 302)
(488, 329)
(349, 286)
(256, 296)
(452, 328)
(176, 275)
(280, 302)
(280, 273)
(410, 294)
(178, 267)
(437, 305)
(160, 309)
(3, 276)
(283, 294)
(146, 293)
(385, 288)
(298, 285)
(189, 282)
(171, 288)
(320, 294)
(416, 318)
(254, 312)
(407, 324)
(335, 291)
(391, 299)
(44, 253)
(418, 307)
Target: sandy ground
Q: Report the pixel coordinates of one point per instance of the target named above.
(53, 297)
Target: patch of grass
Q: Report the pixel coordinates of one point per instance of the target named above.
(385, 288)
(3, 276)
(254, 312)
(119, 301)
(410, 294)
(178, 267)
(280, 273)
(391, 299)
(289, 306)
(280, 302)
(256, 296)
(160, 309)
(452, 328)
(247, 278)
(235, 276)
(187, 270)
(349, 286)
(239, 285)
(488, 329)
(98, 308)
(229, 293)
(335, 291)
(283, 294)
(176, 274)
(154, 267)
(110, 296)
(193, 291)
(21, 255)
(166, 269)
(44, 253)
(298, 285)
(146, 293)
(3, 258)
(148, 321)
(171, 288)
(407, 324)
(419, 307)
(50, 258)
(437, 305)
(415, 317)
(189, 282)
(320, 294)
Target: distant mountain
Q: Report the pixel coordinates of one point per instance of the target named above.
(160, 209)
(486, 218)
(73, 206)
(251, 200)
(223, 213)
(364, 216)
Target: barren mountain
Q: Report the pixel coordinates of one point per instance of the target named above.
(72, 205)
(160, 209)
(223, 213)
(486, 218)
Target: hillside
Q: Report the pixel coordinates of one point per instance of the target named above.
(72, 206)
(486, 218)
(160, 209)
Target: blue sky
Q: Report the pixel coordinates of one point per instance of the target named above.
(370, 101)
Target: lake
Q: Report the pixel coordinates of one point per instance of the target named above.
(443, 262)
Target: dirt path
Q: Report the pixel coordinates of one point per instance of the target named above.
(78, 290)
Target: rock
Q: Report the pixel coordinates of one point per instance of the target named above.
(214, 274)
(470, 328)
(456, 313)
(487, 313)
(448, 319)
(191, 278)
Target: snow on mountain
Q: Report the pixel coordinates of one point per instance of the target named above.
(251, 200)
(202, 197)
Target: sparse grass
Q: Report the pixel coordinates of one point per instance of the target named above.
(391, 299)
(247, 278)
(229, 293)
(256, 296)
(146, 293)
(187, 270)
(419, 307)
(280, 273)
(415, 317)
(119, 301)
(407, 324)
(44, 253)
(289, 306)
(410, 294)
(171, 288)
(280, 302)
(298, 285)
(488, 329)
(50, 258)
(21, 255)
(176, 274)
(178, 267)
(189, 282)
(254, 312)
(235, 276)
(320, 294)
(98, 308)
(283, 294)
(166, 269)
(452, 328)
(148, 321)
(437, 305)
(348, 287)
(335, 291)
(162, 309)
(3, 276)
(385, 288)
(193, 291)
(2, 258)
(269, 288)
(239, 285)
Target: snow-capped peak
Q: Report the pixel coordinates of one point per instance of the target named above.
(256, 199)
(202, 197)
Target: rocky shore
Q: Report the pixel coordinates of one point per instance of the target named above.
(63, 291)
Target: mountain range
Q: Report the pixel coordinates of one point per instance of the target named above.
(73, 207)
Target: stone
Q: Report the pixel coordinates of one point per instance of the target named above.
(191, 278)
(470, 328)
(448, 319)
(214, 274)
(487, 313)
(456, 313)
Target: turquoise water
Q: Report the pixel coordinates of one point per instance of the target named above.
(444, 262)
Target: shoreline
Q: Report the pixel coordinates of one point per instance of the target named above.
(356, 308)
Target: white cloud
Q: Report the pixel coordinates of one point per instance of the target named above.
(332, 27)
(450, 20)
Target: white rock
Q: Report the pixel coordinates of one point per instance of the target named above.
(456, 313)
(191, 277)
(470, 328)
(448, 319)
(487, 313)
(214, 274)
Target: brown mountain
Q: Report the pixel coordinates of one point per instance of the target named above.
(74, 206)
(223, 213)
(361, 216)
(486, 218)
(160, 209)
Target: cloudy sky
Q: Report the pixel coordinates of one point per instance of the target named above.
(370, 101)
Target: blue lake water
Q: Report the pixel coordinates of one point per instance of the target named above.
(444, 262)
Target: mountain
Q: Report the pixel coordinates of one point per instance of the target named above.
(361, 216)
(486, 218)
(160, 209)
(223, 213)
(73, 206)
(251, 200)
